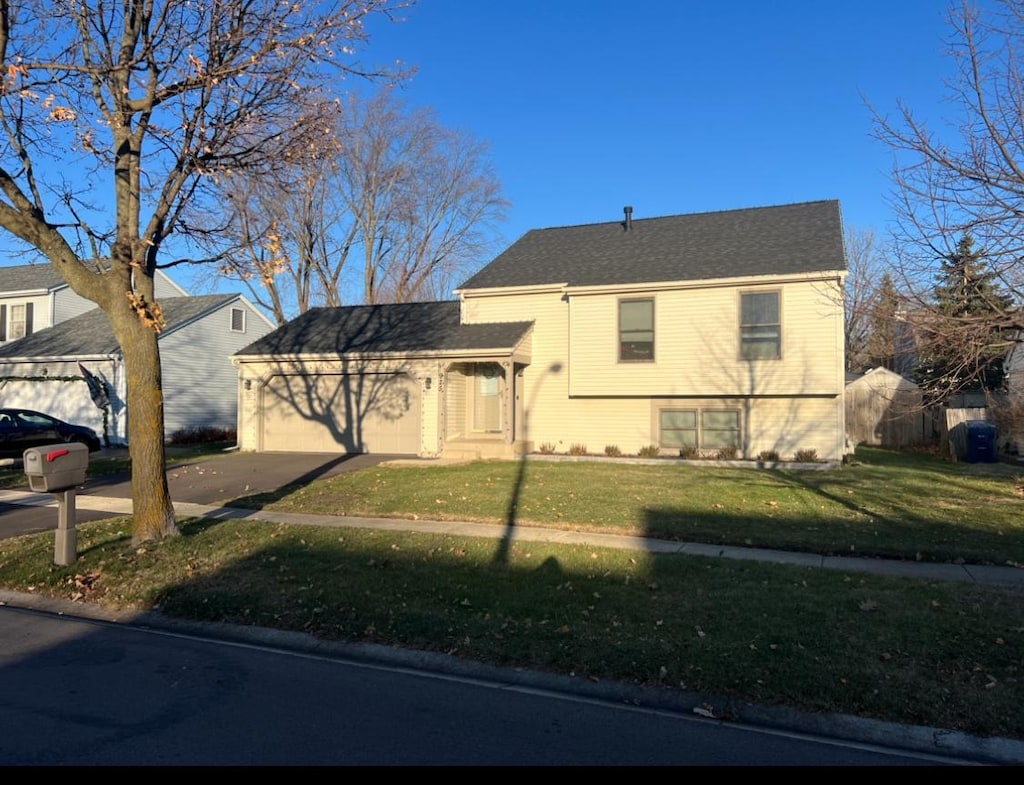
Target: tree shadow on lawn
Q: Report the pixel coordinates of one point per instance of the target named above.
(345, 584)
(867, 535)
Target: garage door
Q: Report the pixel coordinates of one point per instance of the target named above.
(372, 412)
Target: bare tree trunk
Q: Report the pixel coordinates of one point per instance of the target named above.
(152, 508)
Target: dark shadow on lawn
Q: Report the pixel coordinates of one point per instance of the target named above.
(501, 555)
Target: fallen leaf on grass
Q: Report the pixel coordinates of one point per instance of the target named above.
(869, 605)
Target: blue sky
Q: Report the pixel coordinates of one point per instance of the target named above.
(674, 106)
(671, 106)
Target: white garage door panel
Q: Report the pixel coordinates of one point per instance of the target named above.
(373, 412)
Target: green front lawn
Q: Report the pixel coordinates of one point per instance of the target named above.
(901, 505)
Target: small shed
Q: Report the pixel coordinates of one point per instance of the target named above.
(884, 409)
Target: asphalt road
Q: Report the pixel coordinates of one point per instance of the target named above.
(86, 692)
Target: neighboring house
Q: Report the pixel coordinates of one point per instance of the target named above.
(1013, 367)
(707, 331)
(34, 297)
(200, 384)
(1012, 414)
(884, 409)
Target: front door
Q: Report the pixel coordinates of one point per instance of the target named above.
(487, 399)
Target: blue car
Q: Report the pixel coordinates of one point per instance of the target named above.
(23, 428)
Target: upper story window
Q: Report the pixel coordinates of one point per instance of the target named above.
(760, 326)
(237, 320)
(636, 330)
(20, 321)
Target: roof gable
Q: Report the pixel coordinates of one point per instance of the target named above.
(788, 239)
(30, 278)
(90, 333)
(403, 328)
(43, 276)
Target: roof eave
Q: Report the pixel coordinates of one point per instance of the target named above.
(708, 283)
(55, 358)
(491, 291)
(372, 356)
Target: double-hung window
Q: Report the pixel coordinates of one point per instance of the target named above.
(760, 326)
(19, 322)
(636, 330)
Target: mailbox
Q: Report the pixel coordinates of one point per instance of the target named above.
(56, 467)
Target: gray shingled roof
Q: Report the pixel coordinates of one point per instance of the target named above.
(29, 278)
(795, 238)
(404, 328)
(90, 332)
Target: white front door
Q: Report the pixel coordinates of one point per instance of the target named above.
(487, 399)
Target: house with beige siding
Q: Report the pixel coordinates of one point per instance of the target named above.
(697, 332)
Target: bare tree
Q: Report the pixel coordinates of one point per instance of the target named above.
(290, 235)
(390, 206)
(117, 118)
(865, 271)
(967, 181)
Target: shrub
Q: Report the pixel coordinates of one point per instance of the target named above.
(201, 435)
(689, 452)
(768, 456)
(547, 448)
(806, 456)
(726, 454)
(612, 451)
(577, 449)
(650, 451)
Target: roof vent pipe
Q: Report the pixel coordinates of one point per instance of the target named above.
(628, 211)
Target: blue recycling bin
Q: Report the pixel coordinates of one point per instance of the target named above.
(981, 441)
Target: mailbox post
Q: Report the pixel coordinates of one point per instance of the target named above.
(57, 469)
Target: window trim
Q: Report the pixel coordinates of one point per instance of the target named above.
(231, 320)
(619, 331)
(478, 400)
(777, 325)
(12, 321)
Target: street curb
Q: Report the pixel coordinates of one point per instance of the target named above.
(715, 708)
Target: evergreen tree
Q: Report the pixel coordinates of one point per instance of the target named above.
(882, 348)
(960, 348)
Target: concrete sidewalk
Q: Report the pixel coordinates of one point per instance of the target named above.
(1012, 577)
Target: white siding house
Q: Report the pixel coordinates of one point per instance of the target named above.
(44, 370)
